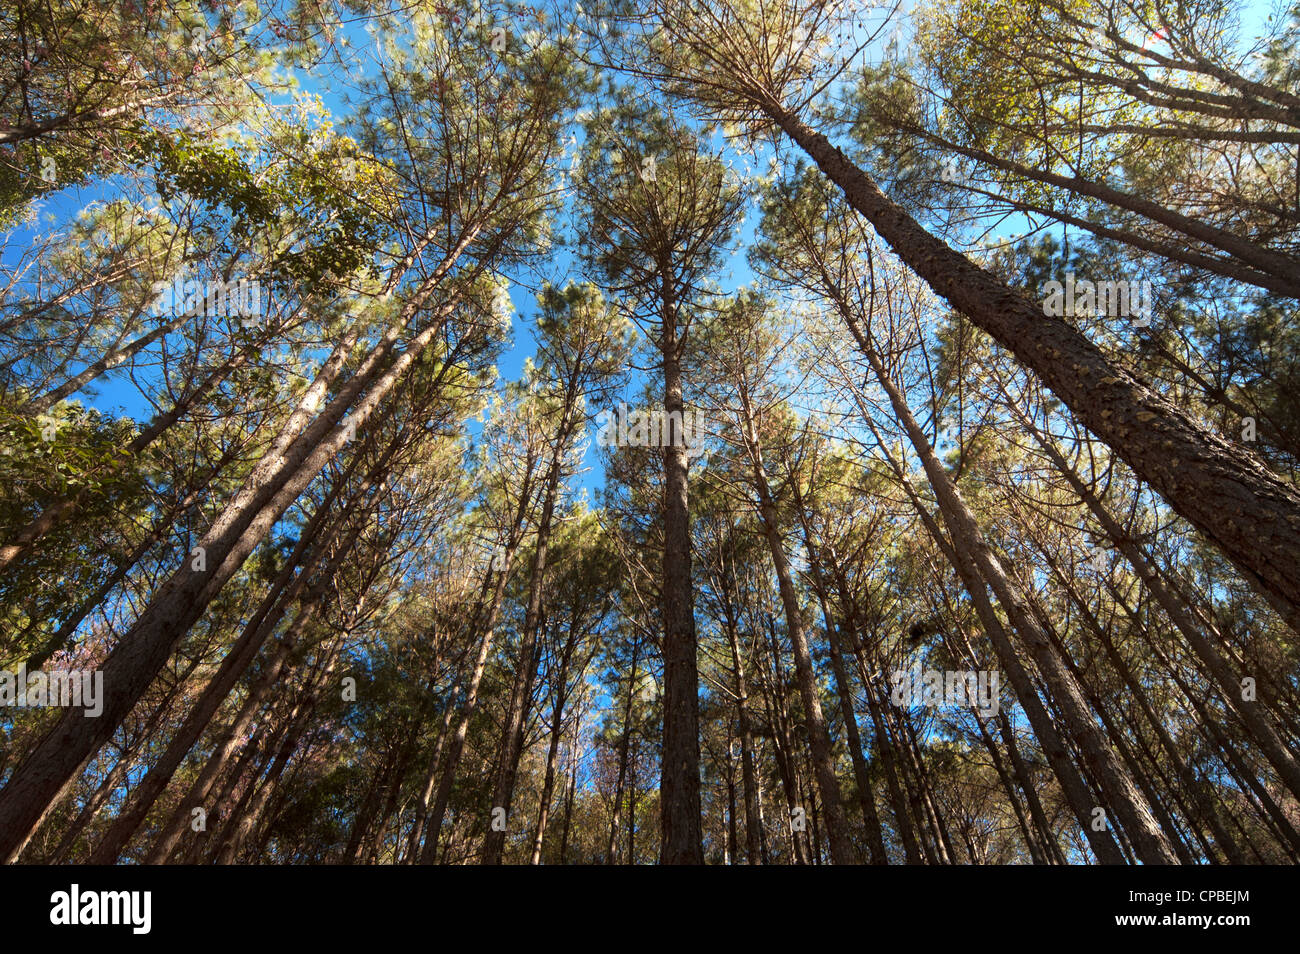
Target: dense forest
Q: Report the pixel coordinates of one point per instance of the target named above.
(677, 431)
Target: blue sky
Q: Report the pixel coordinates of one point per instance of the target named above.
(115, 393)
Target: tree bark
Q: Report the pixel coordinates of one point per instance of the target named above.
(1222, 489)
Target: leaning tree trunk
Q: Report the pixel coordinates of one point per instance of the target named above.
(1256, 718)
(819, 740)
(1053, 746)
(456, 743)
(967, 540)
(553, 751)
(309, 553)
(51, 768)
(1221, 488)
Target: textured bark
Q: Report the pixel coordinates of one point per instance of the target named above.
(484, 620)
(624, 748)
(681, 840)
(553, 749)
(286, 588)
(967, 540)
(1221, 488)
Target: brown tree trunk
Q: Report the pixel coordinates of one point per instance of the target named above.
(680, 838)
(624, 745)
(819, 740)
(553, 751)
(753, 822)
(853, 738)
(456, 743)
(1221, 488)
(512, 732)
(285, 589)
(1252, 714)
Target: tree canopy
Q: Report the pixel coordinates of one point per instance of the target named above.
(682, 431)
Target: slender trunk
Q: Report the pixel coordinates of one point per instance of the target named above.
(40, 405)
(512, 732)
(624, 747)
(552, 754)
(969, 544)
(778, 719)
(819, 740)
(753, 823)
(456, 743)
(843, 689)
(1209, 813)
(1053, 746)
(1255, 717)
(431, 779)
(568, 814)
(284, 590)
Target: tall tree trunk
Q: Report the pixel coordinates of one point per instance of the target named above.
(568, 812)
(431, 776)
(287, 588)
(680, 838)
(1256, 718)
(456, 743)
(970, 549)
(753, 822)
(512, 732)
(778, 719)
(883, 744)
(843, 689)
(552, 752)
(1221, 488)
(819, 740)
(1208, 813)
